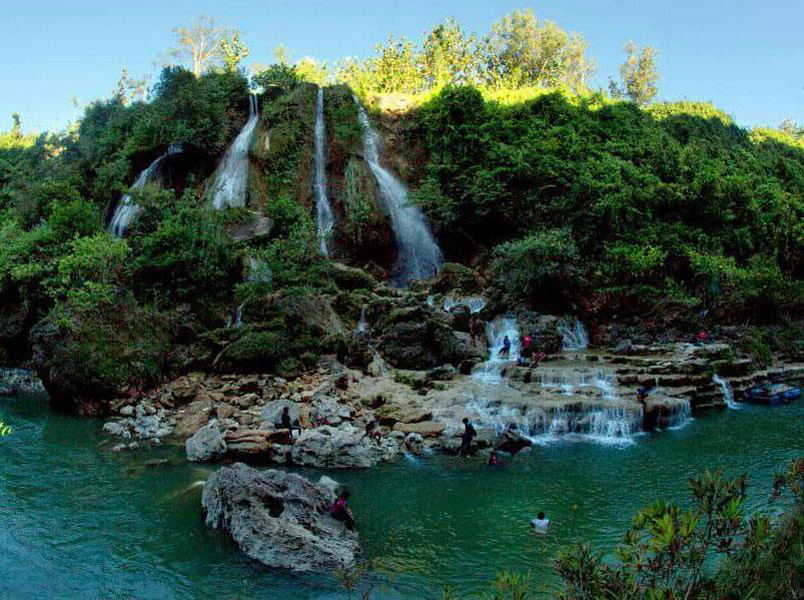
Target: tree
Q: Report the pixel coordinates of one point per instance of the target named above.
(200, 43)
(16, 128)
(128, 90)
(449, 56)
(639, 74)
(233, 51)
(309, 69)
(522, 51)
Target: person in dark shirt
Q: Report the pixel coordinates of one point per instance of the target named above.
(373, 432)
(468, 436)
(285, 422)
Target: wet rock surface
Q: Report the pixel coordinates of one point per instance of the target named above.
(280, 519)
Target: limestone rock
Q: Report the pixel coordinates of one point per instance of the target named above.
(414, 442)
(193, 417)
(207, 444)
(425, 428)
(342, 447)
(280, 519)
(271, 413)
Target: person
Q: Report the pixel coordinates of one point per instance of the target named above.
(475, 329)
(536, 358)
(286, 423)
(701, 337)
(494, 460)
(526, 350)
(540, 524)
(373, 432)
(468, 436)
(506, 347)
(340, 510)
(642, 394)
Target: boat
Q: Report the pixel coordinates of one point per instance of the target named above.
(772, 394)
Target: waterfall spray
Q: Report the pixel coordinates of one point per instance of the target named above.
(727, 391)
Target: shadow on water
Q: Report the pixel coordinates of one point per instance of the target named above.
(83, 522)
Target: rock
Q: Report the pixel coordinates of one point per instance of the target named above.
(338, 448)
(127, 411)
(271, 413)
(442, 373)
(280, 519)
(259, 227)
(425, 428)
(512, 442)
(185, 388)
(122, 447)
(253, 443)
(622, 347)
(329, 483)
(329, 410)
(414, 442)
(207, 444)
(402, 413)
(225, 411)
(115, 428)
(193, 417)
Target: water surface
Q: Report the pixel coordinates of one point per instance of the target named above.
(79, 521)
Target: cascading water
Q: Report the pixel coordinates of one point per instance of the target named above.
(573, 334)
(496, 332)
(727, 391)
(228, 185)
(362, 326)
(418, 254)
(127, 210)
(474, 303)
(325, 217)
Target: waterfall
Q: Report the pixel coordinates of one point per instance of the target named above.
(612, 424)
(573, 334)
(418, 254)
(361, 324)
(325, 218)
(230, 180)
(496, 332)
(238, 322)
(126, 210)
(727, 391)
(474, 303)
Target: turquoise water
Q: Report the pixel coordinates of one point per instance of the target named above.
(77, 521)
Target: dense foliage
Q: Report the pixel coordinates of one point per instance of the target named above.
(601, 197)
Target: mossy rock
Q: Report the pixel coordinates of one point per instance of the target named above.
(254, 350)
(351, 278)
(457, 277)
(86, 358)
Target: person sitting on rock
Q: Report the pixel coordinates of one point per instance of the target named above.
(467, 437)
(505, 351)
(340, 510)
(373, 431)
(286, 423)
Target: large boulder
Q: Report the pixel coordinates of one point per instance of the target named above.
(280, 519)
(193, 417)
(271, 413)
(340, 448)
(207, 444)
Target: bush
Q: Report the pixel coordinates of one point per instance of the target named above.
(256, 350)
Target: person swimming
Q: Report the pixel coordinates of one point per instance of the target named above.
(494, 460)
(540, 524)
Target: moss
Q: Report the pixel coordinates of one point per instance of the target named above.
(261, 349)
(454, 276)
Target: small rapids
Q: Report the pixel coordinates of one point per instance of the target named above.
(727, 391)
(573, 334)
(496, 332)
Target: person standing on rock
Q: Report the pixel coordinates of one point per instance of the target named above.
(340, 510)
(505, 351)
(467, 438)
(286, 423)
(476, 328)
(373, 432)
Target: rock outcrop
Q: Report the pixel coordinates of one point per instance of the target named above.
(280, 519)
(207, 444)
(341, 448)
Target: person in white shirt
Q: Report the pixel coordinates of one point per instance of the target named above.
(540, 524)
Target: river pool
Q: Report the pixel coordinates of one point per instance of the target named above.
(78, 521)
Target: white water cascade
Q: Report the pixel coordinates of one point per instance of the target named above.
(727, 391)
(126, 210)
(573, 334)
(418, 254)
(325, 217)
(228, 185)
(474, 303)
(496, 332)
(362, 326)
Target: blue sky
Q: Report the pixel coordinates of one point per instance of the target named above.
(746, 56)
